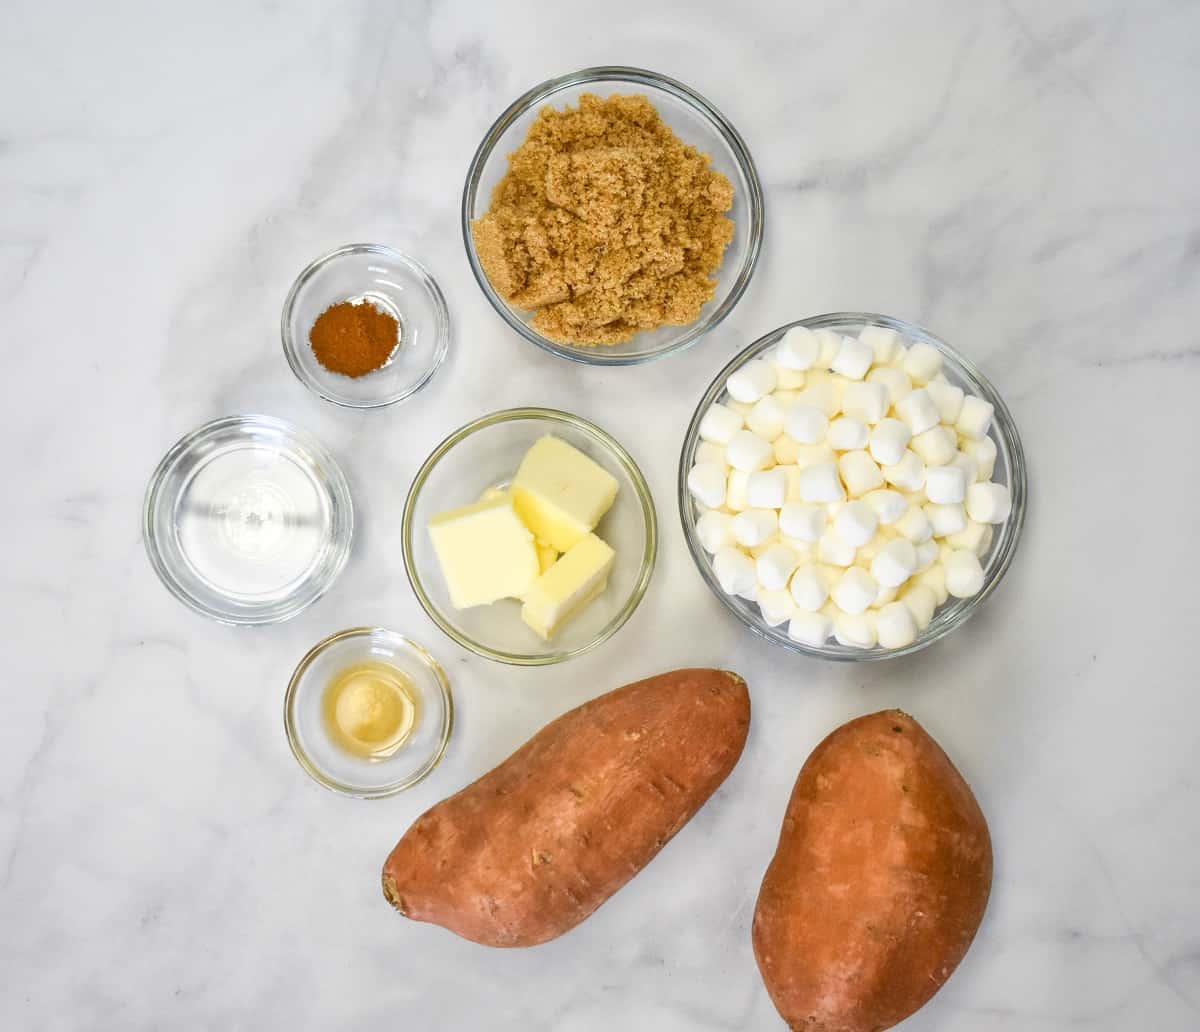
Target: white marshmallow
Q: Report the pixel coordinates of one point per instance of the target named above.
(806, 423)
(787, 398)
(751, 381)
(791, 476)
(741, 408)
(898, 358)
(988, 503)
(787, 381)
(820, 483)
(947, 398)
(889, 440)
(833, 551)
(983, 452)
(810, 628)
(719, 424)
(715, 531)
(830, 343)
(936, 446)
(754, 526)
(749, 452)
(935, 579)
(866, 402)
(798, 349)
(922, 362)
(809, 588)
(706, 451)
(735, 490)
(895, 563)
(767, 489)
(853, 358)
(854, 591)
(800, 521)
(896, 626)
(945, 484)
(859, 472)
(766, 418)
(970, 538)
(922, 603)
(881, 341)
(706, 481)
(883, 596)
(889, 506)
(793, 453)
(855, 523)
(734, 570)
(946, 518)
(894, 381)
(968, 465)
(856, 630)
(821, 394)
(750, 594)
(928, 553)
(774, 567)
(847, 433)
(964, 575)
(914, 525)
(975, 418)
(908, 474)
(918, 411)
(985, 542)
(776, 607)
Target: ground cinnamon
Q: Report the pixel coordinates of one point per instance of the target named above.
(353, 339)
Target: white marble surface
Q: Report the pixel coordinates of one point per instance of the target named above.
(1021, 177)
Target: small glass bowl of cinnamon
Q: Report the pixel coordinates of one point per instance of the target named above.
(365, 326)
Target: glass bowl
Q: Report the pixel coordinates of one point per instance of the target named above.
(355, 775)
(393, 283)
(248, 520)
(486, 454)
(1009, 470)
(695, 121)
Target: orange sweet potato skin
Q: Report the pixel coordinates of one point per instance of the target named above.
(879, 882)
(536, 845)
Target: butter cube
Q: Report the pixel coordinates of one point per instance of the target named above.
(569, 585)
(547, 556)
(560, 493)
(486, 553)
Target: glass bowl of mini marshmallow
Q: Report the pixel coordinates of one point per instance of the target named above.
(851, 487)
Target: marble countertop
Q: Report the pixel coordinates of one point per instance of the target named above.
(1020, 177)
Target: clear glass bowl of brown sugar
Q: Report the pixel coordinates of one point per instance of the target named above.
(357, 364)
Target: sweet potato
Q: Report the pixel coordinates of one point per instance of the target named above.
(534, 846)
(879, 881)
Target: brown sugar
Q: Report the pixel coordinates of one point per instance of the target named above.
(606, 223)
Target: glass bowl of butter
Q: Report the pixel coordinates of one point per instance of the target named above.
(529, 536)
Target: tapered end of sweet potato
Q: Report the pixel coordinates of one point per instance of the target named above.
(392, 894)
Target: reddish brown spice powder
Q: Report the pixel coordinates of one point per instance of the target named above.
(353, 339)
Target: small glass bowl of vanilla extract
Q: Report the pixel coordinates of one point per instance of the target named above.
(368, 712)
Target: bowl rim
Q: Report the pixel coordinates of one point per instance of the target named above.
(1005, 427)
(393, 637)
(597, 356)
(442, 319)
(333, 478)
(613, 448)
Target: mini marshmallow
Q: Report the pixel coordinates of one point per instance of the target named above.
(715, 531)
(800, 521)
(883, 596)
(983, 452)
(922, 362)
(854, 591)
(935, 579)
(751, 381)
(767, 489)
(821, 394)
(776, 607)
(946, 518)
(865, 553)
(774, 567)
(855, 523)
(766, 418)
(741, 408)
(881, 341)
(896, 626)
(735, 490)
(918, 411)
(968, 465)
(895, 563)
(806, 423)
(914, 525)
(889, 506)
(853, 358)
(889, 440)
(706, 451)
(791, 477)
(947, 398)
(734, 570)
(820, 483)
(975, 418)
(859, 472)
(799, 348)
(894, 381)
(706, 482)
(787, 398)
(908, 474)
(787, 381)
(945, 484)
(719, 424)
(985, 542)
(754, 526)
(928, 553)
(830, 343)
(809, 588)
(970, 538)
(936, 446)
(749, 452)
(898, 358)
(922, 603)
(866, 402)
(833, 551)
(847, 433)
(964, 575)
(805, 455)
(750, 594)
(855, 630)
(988, 503)
(810, 628)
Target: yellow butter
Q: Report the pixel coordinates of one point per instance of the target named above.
(579, 576)
(560, 493)
(486, 553)
(547, 556)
